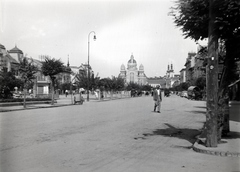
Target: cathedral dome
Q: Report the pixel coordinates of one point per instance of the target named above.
(123, 67)
(15, 50)
(141, 67)
(132, 60)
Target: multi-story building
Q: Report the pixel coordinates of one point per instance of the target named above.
(154, 81)
(182, 75)
(189, 65)
(168, 81)
(132, 74)
(10, 60)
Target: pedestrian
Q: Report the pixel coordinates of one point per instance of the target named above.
(66, 93)
(96, 94)
(157, 97)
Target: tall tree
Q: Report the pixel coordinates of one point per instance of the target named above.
(82, 80)
(27, 71)
(193, 19)
(212, 79)
(51, 67)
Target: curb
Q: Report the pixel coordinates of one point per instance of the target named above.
(41, 107)
(216, 153)
(27, 103)
(10, 110)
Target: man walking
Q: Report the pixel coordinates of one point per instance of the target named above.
(157, 97)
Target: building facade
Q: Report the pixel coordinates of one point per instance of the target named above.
(182, 75)
(131, 74)
(10, 60)
(189, 65)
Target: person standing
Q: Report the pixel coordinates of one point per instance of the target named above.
(157, 97)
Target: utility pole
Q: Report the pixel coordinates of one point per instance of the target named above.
(212, 80)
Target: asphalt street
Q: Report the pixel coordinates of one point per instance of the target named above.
(110, 136)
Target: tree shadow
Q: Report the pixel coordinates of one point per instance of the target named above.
(181, 133)
(203, 107)
(232, 135)
(198, 112)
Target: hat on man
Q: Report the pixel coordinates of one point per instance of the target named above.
(158, 86)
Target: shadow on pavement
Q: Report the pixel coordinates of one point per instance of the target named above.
(203, 107)
(232, 135)
(181, 133)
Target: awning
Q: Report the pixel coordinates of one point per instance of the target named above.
(192, 88)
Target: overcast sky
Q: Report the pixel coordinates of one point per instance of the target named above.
(59, 28)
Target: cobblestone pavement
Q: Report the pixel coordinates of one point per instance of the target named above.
(121, 135)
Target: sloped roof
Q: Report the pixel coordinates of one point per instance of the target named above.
(15, 50)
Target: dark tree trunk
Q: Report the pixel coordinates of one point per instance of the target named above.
(229, 75)
(212, 81)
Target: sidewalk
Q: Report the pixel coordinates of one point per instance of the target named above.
(62, 101)
(229, 146)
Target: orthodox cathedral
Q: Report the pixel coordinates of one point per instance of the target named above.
(132, 74)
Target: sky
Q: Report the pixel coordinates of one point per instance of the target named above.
(62, 29)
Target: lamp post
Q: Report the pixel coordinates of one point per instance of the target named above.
(94, 38)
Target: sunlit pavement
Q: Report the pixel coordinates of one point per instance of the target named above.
(120, 135)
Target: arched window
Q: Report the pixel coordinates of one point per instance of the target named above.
(131, 77)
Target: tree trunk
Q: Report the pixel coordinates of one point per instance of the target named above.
(52, 86)
(223, 114)
(24, 97)
(212, 81)
(232, 51)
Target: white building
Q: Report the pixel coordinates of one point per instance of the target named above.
(132, 74)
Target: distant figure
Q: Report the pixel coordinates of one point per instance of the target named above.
(66, 93)
(157, 97)
(96, 94)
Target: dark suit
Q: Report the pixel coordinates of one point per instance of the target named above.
(157, 97)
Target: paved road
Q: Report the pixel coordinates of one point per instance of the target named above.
(111, 136)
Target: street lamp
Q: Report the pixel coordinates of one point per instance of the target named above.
(94, 38)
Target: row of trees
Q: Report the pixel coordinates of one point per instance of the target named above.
(52, 67)
(219, 22)
(106, 84)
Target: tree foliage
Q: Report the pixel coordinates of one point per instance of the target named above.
(52, 67)
(82, 80)
(27, 71)
(192, 16)
(7, 83)
(200, 82)
(181, 87)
